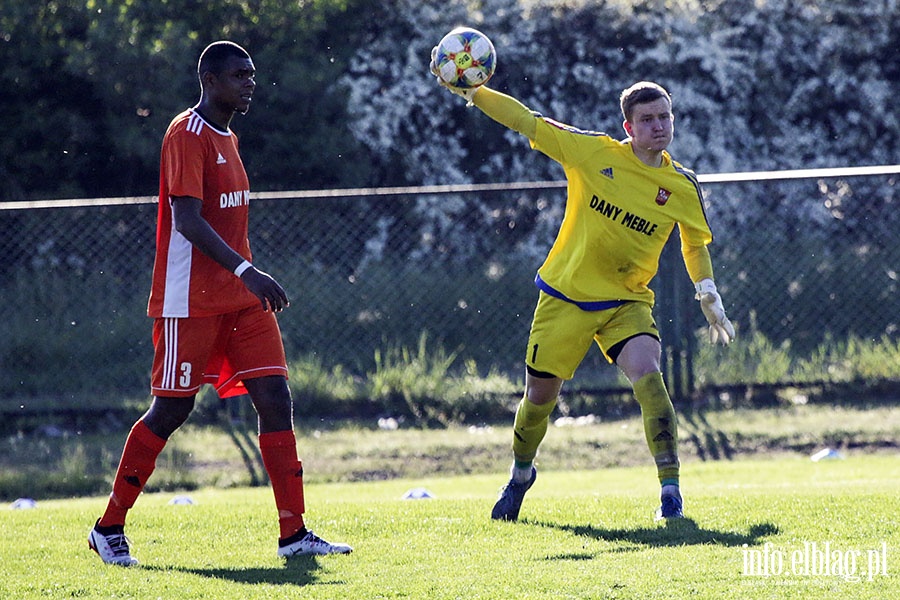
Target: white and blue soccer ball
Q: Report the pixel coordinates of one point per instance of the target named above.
(465, 58)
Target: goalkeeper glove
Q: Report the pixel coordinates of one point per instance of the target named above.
(720, 328)
(467, 94)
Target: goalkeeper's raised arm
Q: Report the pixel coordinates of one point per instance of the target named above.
(506, 110)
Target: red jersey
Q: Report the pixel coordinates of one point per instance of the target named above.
(200, 161)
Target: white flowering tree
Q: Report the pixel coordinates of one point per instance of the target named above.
(757, 84)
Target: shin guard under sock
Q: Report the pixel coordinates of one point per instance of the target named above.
(530, 428)
(660, 426)
(279, 455)
(135, 467)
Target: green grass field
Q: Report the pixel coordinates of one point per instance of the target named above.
(582, 534)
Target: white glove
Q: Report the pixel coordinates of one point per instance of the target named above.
(720, 328)
(467, 94)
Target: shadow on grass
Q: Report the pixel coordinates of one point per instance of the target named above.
(249, 451)
(676, 532)
(299, 571)
(710, 443)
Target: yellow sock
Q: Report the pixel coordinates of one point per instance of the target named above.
(660, 426)
(529, 429)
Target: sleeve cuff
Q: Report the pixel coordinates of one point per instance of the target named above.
(705, 286)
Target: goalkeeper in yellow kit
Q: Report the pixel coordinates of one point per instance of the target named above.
(624, 198)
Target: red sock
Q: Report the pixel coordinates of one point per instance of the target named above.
(137, 463)
(279, 455)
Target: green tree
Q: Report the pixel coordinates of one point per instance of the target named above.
(97, 82)
(49, 143)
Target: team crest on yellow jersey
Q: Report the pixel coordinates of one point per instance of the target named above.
(663, 196)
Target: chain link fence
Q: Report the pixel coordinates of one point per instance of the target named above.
(799, 264)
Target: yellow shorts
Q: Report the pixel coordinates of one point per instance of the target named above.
(561, 333)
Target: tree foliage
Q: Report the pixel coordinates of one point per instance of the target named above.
(757, 85)
(345, 97)
(97, 82)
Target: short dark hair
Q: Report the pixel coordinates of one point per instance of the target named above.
(215, 55)
(641, 93)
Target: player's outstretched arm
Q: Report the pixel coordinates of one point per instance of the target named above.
(504, 109)
(720, 328)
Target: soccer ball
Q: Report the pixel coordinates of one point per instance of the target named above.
(465, 58)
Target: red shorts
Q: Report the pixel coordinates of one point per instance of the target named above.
(222, 350)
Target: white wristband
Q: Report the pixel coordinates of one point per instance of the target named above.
(242, 267)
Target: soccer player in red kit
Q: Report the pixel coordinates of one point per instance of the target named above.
(213, 311)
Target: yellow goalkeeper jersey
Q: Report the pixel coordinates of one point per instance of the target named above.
(619, 211)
